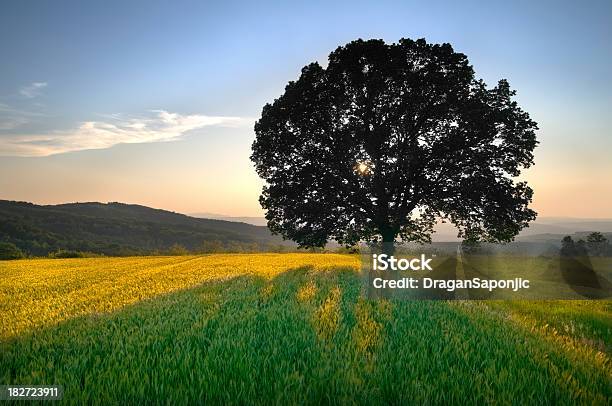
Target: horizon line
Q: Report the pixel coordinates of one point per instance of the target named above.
(192, 213)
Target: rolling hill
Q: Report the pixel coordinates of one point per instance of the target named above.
(544, 229)
(129, 229)
(120, 229)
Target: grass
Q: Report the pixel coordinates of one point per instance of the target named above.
(285, 328)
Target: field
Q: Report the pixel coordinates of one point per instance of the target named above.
(285, 328)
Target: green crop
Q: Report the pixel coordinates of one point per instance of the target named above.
(285, 329)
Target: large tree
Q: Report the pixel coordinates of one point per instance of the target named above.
(389, 139)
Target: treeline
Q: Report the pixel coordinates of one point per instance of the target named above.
(596, 244)
(11, 251)
(117, 229)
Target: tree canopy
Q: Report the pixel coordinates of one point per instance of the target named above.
(388, 139)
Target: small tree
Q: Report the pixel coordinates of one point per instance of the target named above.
(212, 246)
(597, 244)
(178, 249)
(386, 140)
(61, 253)
(8, 250)
(569, 248)
(581, 248)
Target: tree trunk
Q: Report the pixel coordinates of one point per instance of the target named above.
(388, 247)
(388, 241)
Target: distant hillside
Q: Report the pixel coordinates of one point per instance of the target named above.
(256, 221)
(544, 229)
(119, 229)
(127, 229)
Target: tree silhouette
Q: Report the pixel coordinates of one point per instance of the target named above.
(568, 247)
(386, 140)
(597, 244)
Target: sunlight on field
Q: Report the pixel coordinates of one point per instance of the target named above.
(285, 329)
(35, 293)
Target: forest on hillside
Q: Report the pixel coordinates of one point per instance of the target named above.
(124, 229)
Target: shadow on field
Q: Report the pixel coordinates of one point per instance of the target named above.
(444, 267)
(556, 277)
(207, 343)
(578, 272)
(305, 336)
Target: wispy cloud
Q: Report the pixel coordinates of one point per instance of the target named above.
(33, 89)
(11, 118)
(159, 126)
(10, 123)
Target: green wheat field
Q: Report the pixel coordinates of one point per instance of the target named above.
(285, 329)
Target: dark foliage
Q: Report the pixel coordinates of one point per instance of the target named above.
(118, 229)
(596, 244)
(67, 254)
(9, 250)
(389, 138)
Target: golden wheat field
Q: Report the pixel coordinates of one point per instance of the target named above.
(44, 292)
(285, 328)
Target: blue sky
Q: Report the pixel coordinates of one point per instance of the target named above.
(153, 102)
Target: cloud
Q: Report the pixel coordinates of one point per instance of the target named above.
(10, 123)
(160, 126)
(33, 89)
(11, 118)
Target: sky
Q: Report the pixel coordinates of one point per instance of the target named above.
(154, 102)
